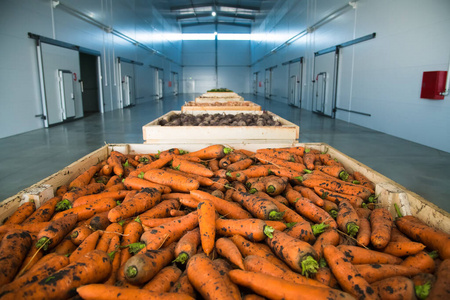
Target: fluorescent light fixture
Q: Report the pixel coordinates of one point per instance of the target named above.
(215, 32)
(213, 14)
(198, 36)
(234, 36)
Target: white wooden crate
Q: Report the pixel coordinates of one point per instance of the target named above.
(225, 106)
(389, 191)
(286, 133)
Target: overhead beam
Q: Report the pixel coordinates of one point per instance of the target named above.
(219, 14)
(181, 7)
(191, 24)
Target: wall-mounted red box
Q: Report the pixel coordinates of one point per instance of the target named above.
(433, 83)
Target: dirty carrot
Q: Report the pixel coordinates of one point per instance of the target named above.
(79, 234)
(240, 165)
(347, 275)
(400, 249)
(132, 232)
(114, 229)
(137, 183)
(191, 167)
(440, 289)
(422, 260)
(211, 152)
(224, 267)
(337, 197)
(381, 223)
(308, 160)
(161, 210)
(76, 192)
(358, 255)
(154, 222)
(65, 247)
(252, 229)
(310, 194)
(329, 237)
(223, 207)
(363, 180)
(365, 230)
(275, 288)
(84, 212)
(257, 171)
(376, 272)
(347, 218)
(142, 267)
(187, 246)
(331, 208)
(266, 159)
(99, 221)
(116, 195)
(206, 223)
(202, 180)
(157, 164)
(13, 249)
(226, 248)
(176, 182)
(325, 276)
(206, 279)
(334, 170)
(84, 178)
(52, 234)
(183, 286)
(164, 280)
(44, 213)
(396, 287)
(259, 207)
(142, 201)
(85, 247)
(21, 213)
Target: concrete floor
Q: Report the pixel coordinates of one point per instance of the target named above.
(32, 156)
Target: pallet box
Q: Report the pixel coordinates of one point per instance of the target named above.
(221, 106)
(389, 191)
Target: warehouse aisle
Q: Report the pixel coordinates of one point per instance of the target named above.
(32, 156)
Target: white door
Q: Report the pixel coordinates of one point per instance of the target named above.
(67, 95)
(292, 89)
(325, 80)
(175, 84)
(127, 91)
(267, 84)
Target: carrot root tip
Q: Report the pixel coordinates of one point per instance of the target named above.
(333, 213)
(422, 291)
(268, 230)
(270, 189)
(43, 242)
(141, 175)
(63, 205)
(352, 229)
(322, 263)
(227, 150)
(131, 272)
(309, 266)
(276, 215)
(343, 175)
(319, 228)
(182, 258)
(291, 224)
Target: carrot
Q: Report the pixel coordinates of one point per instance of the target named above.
(310, 194)
(419, 231)
(376, 272)
(294, 150)
(329, 237)
(99, 221)
(168, 233)
(240, 165)
(211, 152)
(347, 275)
(331, 208)
(157, 164)
(236, 176)
(363, 180)
(191, 167)
(397, 236)
(164, 280)
(281, 199)
(137, 183)
(142, 201)
(79, 234)
(108, 292)
(32, 257)
(277, 225)
(154, 222)
(325, 276)
(308, 209)
(183, 286)
(274, 185)
(94, 267)
(65, 247)
(213, 165)
(202, 180)
(84, 178)
(335, 171)
(187, 246)
(44, 212)
(297, 254)
(308, 160)
(61, 190)
(161, 210)
(21, 213)
(252, 229)
(85, 247)
(87, 211)
(52, 234)
(117, 187)
(142, 267)
(77, 192)
(226, 248)
(358, 255)
(223, 207)
(224, 267)
(259, 207)
(266, 159)
(116, 195)
(253, 297)
(114, 254)
(13, 249)
(347, 218)
(174, 181)
(397, 287)
(43, 268)
(132, 232)
(422, 260)
(257, 171)
(381, 224)
(337, 197)
(254, 263)
(400, 249)
(365, 230)
(275, 288)
(113, 180)
(422, 284)
(114, 229)
(206, 279)
(207, 224)
(440, 289)
(335, 185)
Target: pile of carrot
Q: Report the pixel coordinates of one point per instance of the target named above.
(220, 223)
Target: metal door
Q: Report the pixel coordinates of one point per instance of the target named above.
(292, 89)
(127, 90)
(255, 83)
(325, 83)
(175, 84)
(267, 84)
(66, 92)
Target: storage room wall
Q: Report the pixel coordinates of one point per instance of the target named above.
(233, 60)
(381, 77)
(19, 82)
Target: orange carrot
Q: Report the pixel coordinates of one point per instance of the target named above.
(226, 248)
(275, 288)
(259, 207)
(223, 207)
(132, 232)
(85, 247)
(358, 255)
(144, 266)
(294, 150)
(347, 275)
(79, 234)
(240, 165)
(376, 272)
(176, 182)
(224, 267)
(422, 260)
(137, 183)
(109, 292)
(187, 246)
(99, 221)
(440, 287)
(381, 224)
(157, 164)
(116, 195)
(266, 159)
(331, 208)
(77, 192)
(84, 212)
(22, 213)
(363, 180)
(211, 152)
(325, 276)
(329, 237)
(84, 178)
(308, 160)
(164, 280)
(191, 167)
(365, 230)
(400, 249)
(337, 197)
(43, 213)
(396, 287)
(206, 279)
(154, 222)
(142, 201)
(52, 234)
(65, 247)
(161, 210)
(347, 218)
(310, 194)
(13, 249)
(202, 180)
(183, 286)
(114, 229)
(206, 223)
(257, 171)
(335, 171)
(252, 229)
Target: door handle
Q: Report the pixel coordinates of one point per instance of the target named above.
(82, 85)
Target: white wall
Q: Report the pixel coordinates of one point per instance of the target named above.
(137, 19)
(382, 76)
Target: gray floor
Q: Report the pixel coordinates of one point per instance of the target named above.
(32, 156)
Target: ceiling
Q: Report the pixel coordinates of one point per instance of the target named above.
(199, 12)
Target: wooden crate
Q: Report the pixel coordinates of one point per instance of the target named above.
(389, 191)
(221, 106)
(217, 99)
(154, 133)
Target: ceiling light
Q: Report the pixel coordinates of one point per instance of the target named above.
(213, 14)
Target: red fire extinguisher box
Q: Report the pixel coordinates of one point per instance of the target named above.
(433, 83)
